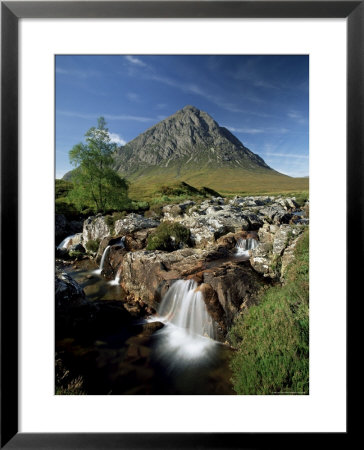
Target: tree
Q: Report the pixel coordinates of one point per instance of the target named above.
(95, 180)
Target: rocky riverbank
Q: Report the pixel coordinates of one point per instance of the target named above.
(230, 282)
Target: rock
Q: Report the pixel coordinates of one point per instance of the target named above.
(287, 258)
(171, 211)
(227, 287)
(134, 222)
(275, 214)
(107, 241)
(235, 287)
(230, 240)
(261, 259)
(214, 218)
(95, 228)
(65, 227)
(274, 241)
(68, 291)
(213, 306)
(137, 240)
(146, 276)
(113, 261)
(254, 221)
(210, 221)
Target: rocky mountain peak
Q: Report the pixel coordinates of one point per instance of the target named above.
(188, 139)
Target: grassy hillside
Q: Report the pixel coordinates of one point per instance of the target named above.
(145, 182)
(272, 338)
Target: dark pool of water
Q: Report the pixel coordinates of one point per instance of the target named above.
(141, 357)
(95, 286)
(139, 361)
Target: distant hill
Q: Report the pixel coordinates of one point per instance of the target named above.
(190, 146)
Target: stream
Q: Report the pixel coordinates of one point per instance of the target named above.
(173, 352)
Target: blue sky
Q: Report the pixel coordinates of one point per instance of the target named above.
(261, 99)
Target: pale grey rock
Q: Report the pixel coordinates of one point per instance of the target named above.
(95, 228)
(134, 222)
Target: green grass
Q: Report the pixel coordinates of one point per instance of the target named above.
(227, 181)
(272, 338)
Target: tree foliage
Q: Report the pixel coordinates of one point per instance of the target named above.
(95, 181)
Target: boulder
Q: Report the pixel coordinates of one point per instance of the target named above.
(146, 276)
(267, 258)
(65, 227)
(68, 291)
(228, 287)
(134, 222)
(95, 228)
(232, 288)
(137, 240)
(171, 211)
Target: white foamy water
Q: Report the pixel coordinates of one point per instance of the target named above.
(188, 330)
(116, 280)
(244, 245)
(99, 270)
(184, 307)
(65, 242)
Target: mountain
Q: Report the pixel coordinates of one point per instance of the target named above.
(190, 146)
(189, 140)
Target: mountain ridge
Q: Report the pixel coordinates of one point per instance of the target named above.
(188, 137)
(190, 146)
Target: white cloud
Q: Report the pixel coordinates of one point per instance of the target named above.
(258, 130)
(298, 117)
(134, 60)
(285, 155)
(77, 73)
(117, 139)
(106, 116)
(246, 130)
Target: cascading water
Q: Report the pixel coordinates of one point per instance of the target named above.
(184, 307)
(106, 251)
(65, 242)
(116, 280)
(244, 245)
(188, 330)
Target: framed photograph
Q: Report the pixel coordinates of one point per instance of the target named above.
(178, 155)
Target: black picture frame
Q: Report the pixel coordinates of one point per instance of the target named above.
(11, 12)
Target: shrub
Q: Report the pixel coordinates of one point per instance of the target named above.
(92, 245)
(63, 206)
(62, 188)
(169, 236)
(301, 198)
(154, 211)
(272, 338)
(208, 192)
(76, 254)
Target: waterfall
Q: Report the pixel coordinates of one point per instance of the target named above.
(244, 245)
(106, 251)
(188, 332)
(65, 242)
(116, 280)
(184, 307)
